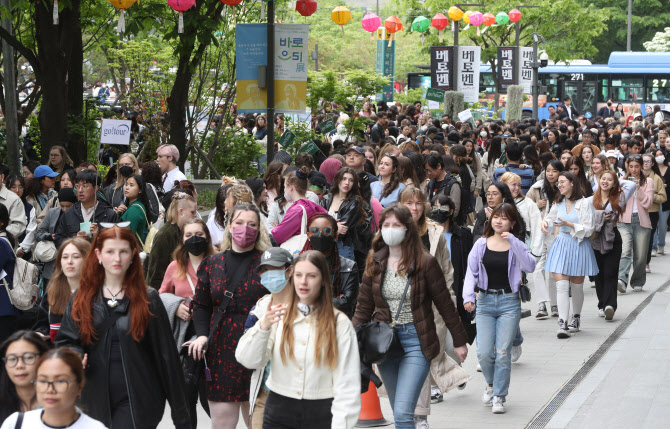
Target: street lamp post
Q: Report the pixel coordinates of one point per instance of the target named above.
(543, 61)
(517, 29)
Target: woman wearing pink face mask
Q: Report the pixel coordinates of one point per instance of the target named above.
(228, 287)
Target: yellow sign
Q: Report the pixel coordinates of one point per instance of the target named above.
(382, 34)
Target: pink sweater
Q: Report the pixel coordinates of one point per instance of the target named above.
(290, 225)
(645, 197)
(179, 287)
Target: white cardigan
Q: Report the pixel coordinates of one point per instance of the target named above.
(532, 218)
(302, 379)
(585, 211)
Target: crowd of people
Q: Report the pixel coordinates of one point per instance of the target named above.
(260, 312)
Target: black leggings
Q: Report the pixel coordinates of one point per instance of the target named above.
(608, 273)
(282, 412)
(653, 217)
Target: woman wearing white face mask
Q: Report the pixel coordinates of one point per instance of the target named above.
(401, 284)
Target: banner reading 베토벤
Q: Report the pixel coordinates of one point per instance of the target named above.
(467, 75)
(506, 67)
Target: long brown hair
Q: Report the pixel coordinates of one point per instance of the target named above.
(510, 212)
(614, 196)
(577, 191)
(412, 247)
(180, 254)
(58, 289)
(354, 192)
(394, 181)
(92, 279)
(325, 344)
(638, 159)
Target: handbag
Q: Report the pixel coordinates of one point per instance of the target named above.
(25, 284)
(378, 338)
(524, 290)
(149, 239)
(45, 251)
(296, 243)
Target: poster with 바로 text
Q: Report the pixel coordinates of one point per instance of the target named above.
(467, 75)
(115, 131)
(290, 67)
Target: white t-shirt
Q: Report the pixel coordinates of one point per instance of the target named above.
(33, 420)
(170, 177)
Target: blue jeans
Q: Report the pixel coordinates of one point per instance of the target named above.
(345, 251)
(661, 229)
(635, 239)
(497, 319)
(403, 375)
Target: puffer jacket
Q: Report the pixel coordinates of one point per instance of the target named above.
(428, 287)
(151, 366)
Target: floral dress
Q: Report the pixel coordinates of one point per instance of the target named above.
(230, 380)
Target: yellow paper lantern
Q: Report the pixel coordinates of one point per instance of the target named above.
(466, 16)
(340, 16)
(123, 5)
(455, 13)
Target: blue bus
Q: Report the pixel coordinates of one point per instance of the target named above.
(642, 78)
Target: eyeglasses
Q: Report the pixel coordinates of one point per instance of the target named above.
(326, 230)
(108, 225)
(83, 186)
(59, 386)
(492, 194)
(28, 358)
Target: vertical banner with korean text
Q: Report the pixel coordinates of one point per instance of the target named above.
(385, 62)
(506, 68)
(467, 75)
(290, 67)
(526, 69)
(441, 67)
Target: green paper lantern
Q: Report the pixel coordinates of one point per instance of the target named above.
(502, 18)
(420, 24)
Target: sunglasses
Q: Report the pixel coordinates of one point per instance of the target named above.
(326, 230)
(108, 225)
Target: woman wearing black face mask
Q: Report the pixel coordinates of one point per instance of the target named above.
(177, 291)
(322, 233)
(127, 166)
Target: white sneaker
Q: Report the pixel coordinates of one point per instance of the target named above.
(621, 286)
(637, 288)
(436, 395)
(653, 253)
(516, 353)
(601, 312)
(497, 405)
(609, 312)
(488, 395)
(479, 368)
(661, 250)
(421, 423)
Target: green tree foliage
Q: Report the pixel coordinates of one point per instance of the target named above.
(648, 18)
(660, 42)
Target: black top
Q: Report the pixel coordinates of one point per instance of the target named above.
(426, 241)
(495, 264)
(666, 180)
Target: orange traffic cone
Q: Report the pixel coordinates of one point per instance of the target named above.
(371, 412)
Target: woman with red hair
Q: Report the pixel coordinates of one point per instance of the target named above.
(121, 329)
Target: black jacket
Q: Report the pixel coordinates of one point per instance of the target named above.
(152, 367)
(115, 197)
(69, 223)
(348, 287)
(461, 244)
(349, 214)
(377, 133)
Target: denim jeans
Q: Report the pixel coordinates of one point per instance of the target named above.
(403, 375)
(634, 242)
(498, 319)
(661, 229)
(345, 251)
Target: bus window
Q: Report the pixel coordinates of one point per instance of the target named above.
(552, 87)
(658, 88)
(627, 89)
(604, 90)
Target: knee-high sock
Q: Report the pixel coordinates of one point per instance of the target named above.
(563, 299)
(577, 298)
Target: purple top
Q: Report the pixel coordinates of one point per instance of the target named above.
(290, 224)
(520, 259)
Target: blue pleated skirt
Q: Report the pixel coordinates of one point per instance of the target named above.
(567, 257)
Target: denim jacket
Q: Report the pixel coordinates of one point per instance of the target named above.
(520, 259)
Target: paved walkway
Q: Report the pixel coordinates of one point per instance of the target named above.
(628, 387)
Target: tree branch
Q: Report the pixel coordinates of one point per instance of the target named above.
(23, 50)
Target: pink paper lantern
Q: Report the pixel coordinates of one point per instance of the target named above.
(477, 19)
(181, 6)
(371, 22)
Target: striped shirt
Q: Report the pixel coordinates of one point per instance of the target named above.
(527, 175)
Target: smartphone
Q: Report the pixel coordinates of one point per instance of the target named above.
(557, 222)
(85, 227)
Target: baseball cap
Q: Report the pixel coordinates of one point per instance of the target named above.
(506, 136)
(276, 257)
(358, 149)
(44, 171)
(612, 154)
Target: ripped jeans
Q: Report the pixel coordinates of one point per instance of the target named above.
(497, 320)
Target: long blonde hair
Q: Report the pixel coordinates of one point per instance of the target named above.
(262, 239)
(58, 289)
(325, 344)
(120, 180)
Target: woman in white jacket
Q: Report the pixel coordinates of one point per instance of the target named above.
(571, 256)
(314, 379)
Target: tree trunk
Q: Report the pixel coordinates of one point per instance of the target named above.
(78, 146)
(54, 43)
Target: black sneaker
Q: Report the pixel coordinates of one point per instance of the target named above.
(575, 323)
(563, 331)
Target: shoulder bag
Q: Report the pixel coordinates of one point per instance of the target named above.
(25, 287)
(296, 243)
(378, 338)
(149, 239)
